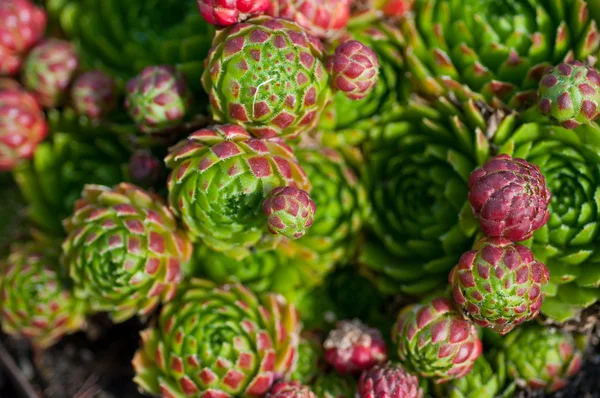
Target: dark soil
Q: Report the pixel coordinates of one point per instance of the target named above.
(98, 364)
(85, 365)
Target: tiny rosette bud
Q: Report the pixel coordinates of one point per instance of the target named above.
(94, 94)
(229, 12)
(292, 389)
(435, 341)
(290, 212)
(22, 126)
(499, 284)
(570, 94)
(354, 68)
(510, 198)
(388, 381)
(158, 98)
(353, 347)
(22, 25)
(49, 70)
(145, 169)
(395, 8)
(322, 18)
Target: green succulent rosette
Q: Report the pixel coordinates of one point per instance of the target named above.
(220, 178)
(539, 357)
(339, 197)
(124, 250)
(332, 385)
(416, 171)
(390, 92)
(495, 50)
(219, 341)
(290, 269)
(294, 267)
(75, 154)
(569, 244)
(124, 37)
(35, 298)
(268, 76)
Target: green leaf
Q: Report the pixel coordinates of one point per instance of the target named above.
(556, 309)
(578, 296)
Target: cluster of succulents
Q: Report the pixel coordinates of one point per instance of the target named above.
(307, 198)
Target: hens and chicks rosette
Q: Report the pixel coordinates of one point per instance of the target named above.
(307, 198)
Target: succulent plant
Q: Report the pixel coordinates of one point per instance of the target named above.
(94, 94)
(157, 98)
(395, 8)
(570, 94)
(510, 198)
(74, 154)
(124, 250)
(416, 173)
(333, 385)
(353, 347)
(220, 178)
(218, 341)
(568, 243)
(267, 75)
(354, 69)
(290, 212)
(22, 25)
(141, 33)
(49, 70)
(497, 51)
(542, 358)
(290, 389)
(339, 197)
(35, 298)
(144, 168)
(434, 340)
(388, 381)
(321, 18)
(229, 12)
(295, 267)
(22, 126)
(499, 284)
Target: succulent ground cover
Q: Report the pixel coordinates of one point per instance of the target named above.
(299, 198)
